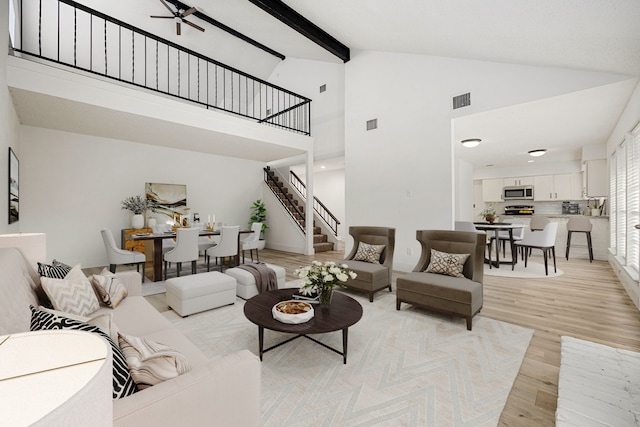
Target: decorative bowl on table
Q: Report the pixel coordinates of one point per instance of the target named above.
(293, 312)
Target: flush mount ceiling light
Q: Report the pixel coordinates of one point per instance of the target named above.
(470, 143)
(538, 152)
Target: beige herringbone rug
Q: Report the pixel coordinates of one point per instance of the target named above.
(405, 368)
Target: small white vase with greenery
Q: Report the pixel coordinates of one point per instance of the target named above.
(138, 205)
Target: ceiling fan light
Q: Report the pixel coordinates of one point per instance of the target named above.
(538, 152)
(470, 143)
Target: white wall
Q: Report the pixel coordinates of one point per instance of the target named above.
(72, 186)
(327, 109)
(402, 174)
(8, 125)
(464, 191)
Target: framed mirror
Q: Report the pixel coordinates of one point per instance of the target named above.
(14, 187)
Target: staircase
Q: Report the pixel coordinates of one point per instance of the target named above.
(296, 211)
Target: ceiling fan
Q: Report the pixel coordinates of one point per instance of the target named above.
(178, 16)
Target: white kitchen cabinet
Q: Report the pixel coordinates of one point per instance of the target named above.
(596, 179)
(518, 180)
(543, 188)
(566, 186)
(492, 190)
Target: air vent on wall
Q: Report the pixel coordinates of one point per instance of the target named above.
(463, 100)
(323, 88)
(372, 124)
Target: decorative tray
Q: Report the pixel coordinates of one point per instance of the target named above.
(293, 312)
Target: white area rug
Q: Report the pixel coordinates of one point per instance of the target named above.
(153, 288)
(598, 385)
(408, 367)
(534, 270)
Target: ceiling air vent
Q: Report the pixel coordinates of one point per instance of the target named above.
(323, 88)
(372, 124)
(463, 100)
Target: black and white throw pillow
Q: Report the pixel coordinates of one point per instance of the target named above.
(55, 270)
(123, 384)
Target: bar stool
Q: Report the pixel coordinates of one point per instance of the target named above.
(579, 224)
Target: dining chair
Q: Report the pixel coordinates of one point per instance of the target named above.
(579, 224)
(468, 226)
(186, 250)
(517, 233)
(205, 242)
(544, 240)
(119, 256)
(538, 222)
(167, 244)
(227, 247)
(252, 241)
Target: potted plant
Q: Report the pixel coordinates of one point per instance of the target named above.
(489, 214)
(138, 205)
(258, 214)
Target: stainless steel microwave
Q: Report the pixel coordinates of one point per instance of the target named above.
(520, 192)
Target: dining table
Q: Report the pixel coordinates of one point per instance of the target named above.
(157, 239)
(496, 227)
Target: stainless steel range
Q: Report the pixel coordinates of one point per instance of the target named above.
(519, 210)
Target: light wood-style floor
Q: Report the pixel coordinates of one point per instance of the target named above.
(586, 302)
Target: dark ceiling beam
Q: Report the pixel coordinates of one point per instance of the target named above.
(229, 30)
(305, 27)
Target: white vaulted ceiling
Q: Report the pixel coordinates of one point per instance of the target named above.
(592, 35)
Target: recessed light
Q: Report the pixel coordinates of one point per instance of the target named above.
(538, 152)
(470, 143)
(530, 161)
(322, 167)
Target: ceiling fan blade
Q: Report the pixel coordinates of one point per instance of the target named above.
(193, 25)
(189, 11)
(177, 28)
(164, 17)
(167, 6)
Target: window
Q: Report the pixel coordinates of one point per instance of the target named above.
(625, 202)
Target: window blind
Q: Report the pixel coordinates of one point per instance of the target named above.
(633, 201)
(621, 201)
(613, 205)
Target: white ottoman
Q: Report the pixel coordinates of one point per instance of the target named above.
(246, 283)
(199, 292)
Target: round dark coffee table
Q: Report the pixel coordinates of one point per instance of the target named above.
(343, 312)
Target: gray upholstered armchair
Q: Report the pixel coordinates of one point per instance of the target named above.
(372, 276)
(459, 296)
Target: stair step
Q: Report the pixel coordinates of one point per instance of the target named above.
(323, 247)
(316, 230)
(319, 238)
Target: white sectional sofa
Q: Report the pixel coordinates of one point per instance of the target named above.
(224, 391)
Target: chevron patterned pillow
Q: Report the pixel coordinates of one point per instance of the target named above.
(444, 263)
(73, 294)
(123, 384)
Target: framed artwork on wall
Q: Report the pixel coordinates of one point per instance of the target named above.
(166, 201)
(14, 187)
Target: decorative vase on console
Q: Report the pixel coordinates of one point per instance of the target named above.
(137, 221)
(137, 205)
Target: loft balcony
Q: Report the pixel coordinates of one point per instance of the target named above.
(79, 70)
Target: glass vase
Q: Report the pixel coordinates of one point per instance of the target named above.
(325, 297)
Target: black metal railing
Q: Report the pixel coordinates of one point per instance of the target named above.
(285, 199)
(323, 212)
(69, 33)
